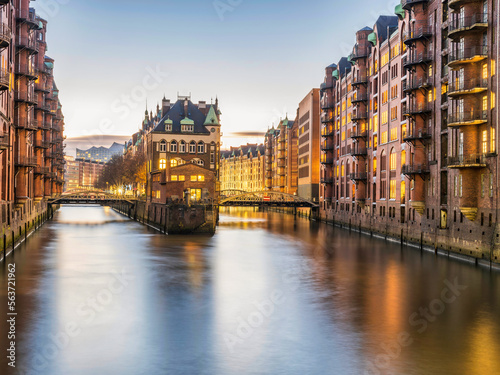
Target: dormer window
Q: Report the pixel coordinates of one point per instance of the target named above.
(168, 127)
(187, 128)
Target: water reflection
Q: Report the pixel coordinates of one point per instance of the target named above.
(98, 294)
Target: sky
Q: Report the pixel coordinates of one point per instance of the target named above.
(260, 58)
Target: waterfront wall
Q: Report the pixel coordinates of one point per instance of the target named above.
(461, 237)
(19, 224)
(172, 219)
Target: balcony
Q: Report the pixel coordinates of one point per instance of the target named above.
(358, 176)
(417, 59)
(41, 87)
(327, 147)
(25, 123)
(25, 15)
(326, 119)
(327, 106)
(326, 86)
(326, 159)
(417, 135)
(468, 56)
(417, 84)
(26, 70)
(358, 133)
(25, 43)
(327, 180)
(419, 33)
(25, 161)
(4, 142)
(417, 109)
(357, 150)
(359, 80)
(461, 25)
(4, 80)
(455, 4)
(363, 98)
(408, 4)
(359, 115)
(415, 169)
(327, 131)
(359, 53)
(467, 161)
(5, 35)
(471, 86)
(473, 117)
(42, 170)
(43, 106)
(42, 144)
(25, 97)
(45, 125)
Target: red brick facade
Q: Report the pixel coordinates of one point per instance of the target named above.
(410, 127)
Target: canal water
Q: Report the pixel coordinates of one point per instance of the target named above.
(99, 294)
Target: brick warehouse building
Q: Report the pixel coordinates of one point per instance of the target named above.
(242, 168)
(183, 133)
(410, 124)
(32, 124)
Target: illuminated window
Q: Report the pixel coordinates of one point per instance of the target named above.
(374, 166)
(493, 100)
(374, 141)
(173, 163)
(163, 164)
(383, 138)
(392, 189)
(485, 71)
(174, 177)
(403, 190)
(394, 134)
(429, 96)
(392, 160)
(403, 157)
(384, 119)
(493, 67)
(201, 178)
(375, 123)
(194, 178)
(492, 140)
(485, 142)
(485, 103)
(430, 70)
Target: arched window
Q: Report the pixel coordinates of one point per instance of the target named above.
(192, 147)
(392, 160)
(173, 163)
(163, 146)
(383, 161)
(173, 146)
(374, 166)
(182, 147)
(201, 148)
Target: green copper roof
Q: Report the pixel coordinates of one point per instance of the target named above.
(400, 12)
(211, 118)
(40, 25)
(168, 121)
(372, 38)
(187, 121)
(349, 59)
(49, 65)
(335, 74)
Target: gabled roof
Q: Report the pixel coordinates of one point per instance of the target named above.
(177, 116)
(212, 118)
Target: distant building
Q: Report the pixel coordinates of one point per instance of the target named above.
(71, 173)
(100, 154)
(81, 174)
(242, 168)
(281, 148)
(183, 133)
(309, 146)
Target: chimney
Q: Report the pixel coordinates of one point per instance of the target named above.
(202, 105)
(165, 103)
(186, 103)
